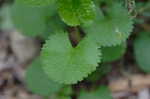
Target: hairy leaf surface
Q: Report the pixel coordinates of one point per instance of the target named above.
(112, 28)
(65, 64)
(76, 12)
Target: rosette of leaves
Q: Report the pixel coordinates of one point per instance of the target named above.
(142, 51)
(38, 82)
(113, 53)
(66, 64)
(102, 93)
(112, 25)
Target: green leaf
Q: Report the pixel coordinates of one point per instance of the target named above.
(38, 82)
(112, 28)
(60, 97)
(101, 71)
(98, 2)
(142, 51)
(113, 53)
(102, 93)
(30, 20)
(66, 91)
(36, 2)
(63, 97)
(76, 12)
(54, 24)
(65, 64)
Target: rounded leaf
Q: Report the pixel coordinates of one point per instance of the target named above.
(100, 72)
(76, 12)
(65, 64)
(38, 82)
(113, 53)
(112, 28)
(30, 20)
(142, 51)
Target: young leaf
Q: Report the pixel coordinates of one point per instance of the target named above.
(102, 93)
(38, 82)
(36, 2)
(111, 28)
(113, 53)
(142, 51)
(76, 12)
(65, 64)
(30, 20)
